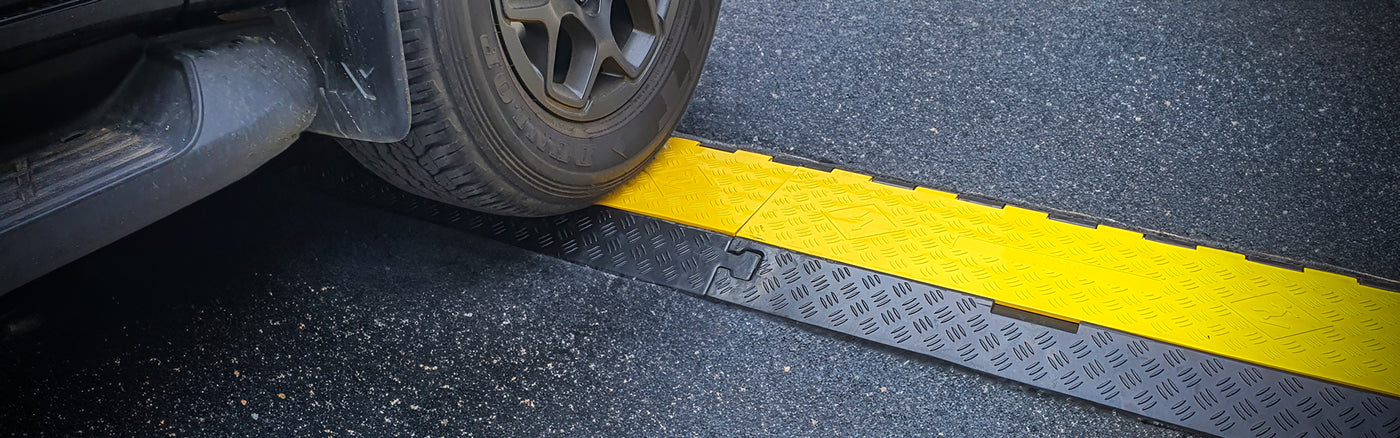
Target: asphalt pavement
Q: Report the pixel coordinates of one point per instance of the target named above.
(275, 309)
(1270, 126)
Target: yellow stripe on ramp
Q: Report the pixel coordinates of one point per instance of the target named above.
(1311, 323)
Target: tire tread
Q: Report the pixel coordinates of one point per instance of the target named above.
(428, 162)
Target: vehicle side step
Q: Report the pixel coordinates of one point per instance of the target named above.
(198, 112)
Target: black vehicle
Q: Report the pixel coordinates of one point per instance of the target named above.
(123, 111)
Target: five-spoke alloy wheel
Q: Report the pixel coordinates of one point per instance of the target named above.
(582, 59)
(539, 107)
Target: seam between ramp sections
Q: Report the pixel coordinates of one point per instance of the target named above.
(701, 187)
(1313, 323)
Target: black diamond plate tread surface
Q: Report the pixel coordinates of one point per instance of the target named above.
(1173, 385)
(632, 245)
(1146, 377)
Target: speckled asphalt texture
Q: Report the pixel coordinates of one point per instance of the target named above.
(282, 311)
(1269, 126)
(273, 309)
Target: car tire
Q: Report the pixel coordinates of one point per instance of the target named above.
(483, 140)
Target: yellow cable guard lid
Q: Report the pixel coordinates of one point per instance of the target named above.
(1312, 323)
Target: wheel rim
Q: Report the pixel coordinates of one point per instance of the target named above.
(583, 59)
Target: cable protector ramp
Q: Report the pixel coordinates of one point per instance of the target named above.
(1308, 322)
(1195, 337)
